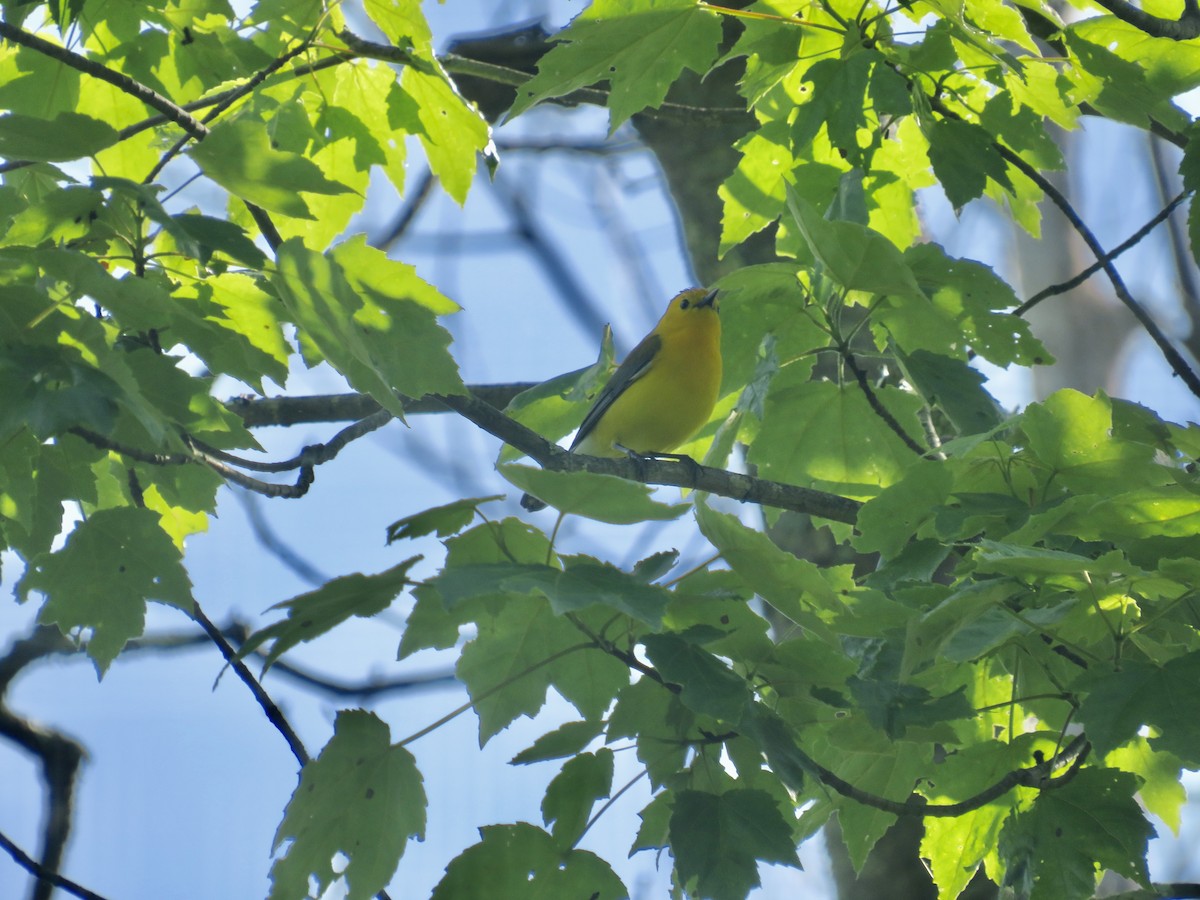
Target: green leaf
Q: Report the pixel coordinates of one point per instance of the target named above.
(858, 754)
(573, 792)
(557, 406)
(67, 136)
(995, 626)
(1053, 848)
(795, 587)
(654, 833)
(452, 133)
(219, 235)
(1120, 703)
(758, 300)
(522, 862)
(955, 846)
(755, 192)
(1189, 166)
(964, 157)
(955, 387)
(447, 519)
(584, 582)
(709, 687)
(312, 614)
(524, 649)
(362, 798)
(827, 435)
(639, 46)
(237, 154)
(60, 216)
(605, 498)
(1161, 790)
(972, 300)
(113, 562)
(717, 840)
(1072, 434)
(49, 390)
(373, 272)
(838, 93)
(509, 541)
(855, 256)
(230, 322)
(1132, 75)
(774, 738)
(887, 522)
(566, 740)
(893, 707)
(382, 342)
(653, 715)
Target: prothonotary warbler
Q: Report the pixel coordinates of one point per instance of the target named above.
(664, 390)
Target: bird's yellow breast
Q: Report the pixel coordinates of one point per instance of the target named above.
(674, 398)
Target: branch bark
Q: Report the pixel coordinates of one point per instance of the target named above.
(656, 471)
(1186, 27)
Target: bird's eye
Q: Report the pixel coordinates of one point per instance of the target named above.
(683, 304)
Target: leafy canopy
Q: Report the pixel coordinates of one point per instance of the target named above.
(1027, 574)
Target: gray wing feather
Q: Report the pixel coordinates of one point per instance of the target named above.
(633, 368)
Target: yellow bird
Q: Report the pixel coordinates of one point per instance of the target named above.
(664, 390)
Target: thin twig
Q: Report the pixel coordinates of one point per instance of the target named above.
(1173, 357)
(880, 410)
(274, 716)
(404, 219)
(312, 455)
(1062, 287)
(228, 100)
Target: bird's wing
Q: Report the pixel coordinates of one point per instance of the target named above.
(634, 367)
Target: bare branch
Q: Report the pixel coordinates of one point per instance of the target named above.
(58, 757)
(224, 463)
(274, 716)
(259, 412)
(1173, 357)
(43, 874)
(406, 215)
(1062, 287)
(476, 407)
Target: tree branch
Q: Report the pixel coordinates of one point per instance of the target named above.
(1173, 357)
(1035, 776)
(42, 874)
(59, 757)
(1186, 27)
(476, 407)
(223, 463)
(880, 410)
(259, 412)
(1062, 287)
(655, 471)
(274, 716)
(172, 111)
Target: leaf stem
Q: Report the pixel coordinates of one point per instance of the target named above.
(454, 713)
(608, 805)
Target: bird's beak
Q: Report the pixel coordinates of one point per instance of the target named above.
(709, 299)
